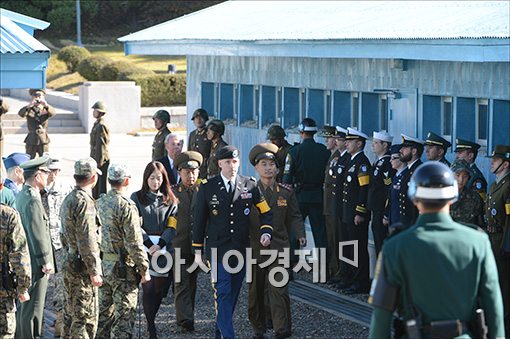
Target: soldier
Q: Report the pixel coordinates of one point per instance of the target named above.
(99, 140)
(29, 317)
(124, 262)
(15, 178)
(436, 148)
(392, 215)
(14, 268)
(37, 113)
(410, 273)
(82, 266)
(161, 119)
(305, 166)
(380, 181)
(410, 152)
(4, 108)
(498, 221)
(215, 130)
(355, 215)
(222, 215)
(188, 163)
(286, 217)
(198, 140)
(276, 134)
(469, 207)
(467, 150)
(52, 197)
(328, 200)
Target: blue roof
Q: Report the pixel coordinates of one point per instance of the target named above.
(13, 39)
(24, 20)
(332, 29)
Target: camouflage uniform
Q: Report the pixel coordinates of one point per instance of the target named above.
(469, 208)
(80, 234)
(121, 236)
(13, 254)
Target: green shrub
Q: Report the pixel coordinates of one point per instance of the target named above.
(72, 56)
(119, 70)
(161, 89)
(90, 68)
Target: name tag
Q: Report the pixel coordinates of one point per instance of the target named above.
(282, 202)
(246, 195)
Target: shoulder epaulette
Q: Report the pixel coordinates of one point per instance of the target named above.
(253, 179)
(284, 186)
(202, 181)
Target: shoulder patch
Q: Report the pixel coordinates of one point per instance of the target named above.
(253, 179)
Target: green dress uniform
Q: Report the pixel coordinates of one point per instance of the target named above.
(498, 227)
(212, 162)
(124, 261)
(14, 262)
(29, 316)
(81, 236)
(437, 270)
(198, 142)
(158, 145)
(99, 140)
(37, 140)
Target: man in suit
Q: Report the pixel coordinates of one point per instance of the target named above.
(173, 148)
(222, 216)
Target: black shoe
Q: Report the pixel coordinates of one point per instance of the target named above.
(187, 326)
(269, 324)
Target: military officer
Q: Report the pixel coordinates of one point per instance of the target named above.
(37, 113)
(125, 263)
(469, 207)
(198, 140)
(410, 153)
(221, 216)
(188, 164)
(392, 215)
(215, 131)
(161, 119)
(467, 150)
(99, 140)
(286, 217)
(14, 266)
(355, 215)
(304, 169)
(276, 134)
(82, 266)
(15, 178)
(29, 317)
(436, 148)
(498, 221)
(410, 273)
(380, 180)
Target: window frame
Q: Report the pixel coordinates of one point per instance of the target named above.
(479, 102)
(447, 99)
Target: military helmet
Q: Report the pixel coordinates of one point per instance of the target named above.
(100, 107)
(308, 125)
(433, 181)
(275, 132)
(216, 126)
(200, 113)
(162, 115)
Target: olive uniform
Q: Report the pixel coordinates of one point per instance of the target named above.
(212, 162)
(124, 260)
(14, 262)
(498, 227)
(276, 134)
(99, 140)
(158, 145)
(281, 156)
(199, 142)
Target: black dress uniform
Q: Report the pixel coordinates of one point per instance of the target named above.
(393, 206)
(435, 140)
(476, 181)
(222, 219)
(354, 198)
(408, 212)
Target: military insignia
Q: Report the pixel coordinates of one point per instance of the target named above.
(380, 162)
(352, 169)
(330, 172)
(349, 179)
(215, 212)
(478, 185)
(376, 171)
(281, 202)
(247, 195)
(386, 174)
(364, 168)
(339, 170)
(494, 212)
(246, 211)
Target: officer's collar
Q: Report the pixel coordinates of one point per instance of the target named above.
(436, 217)
(355, 154)
(409, 165)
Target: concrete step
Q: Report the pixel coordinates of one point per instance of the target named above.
(51, 129)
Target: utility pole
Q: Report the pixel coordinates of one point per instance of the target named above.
(78, 24)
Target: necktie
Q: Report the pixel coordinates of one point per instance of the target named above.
(231, 189)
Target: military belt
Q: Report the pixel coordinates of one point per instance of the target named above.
(110, 257)
(445, 329)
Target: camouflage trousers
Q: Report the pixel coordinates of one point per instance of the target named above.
(57, 282)
(7, 317)
(117, 304)
(81, 305)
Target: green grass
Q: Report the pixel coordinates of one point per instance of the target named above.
(60, 79)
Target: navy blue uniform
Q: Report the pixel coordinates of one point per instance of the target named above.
(408, 212)
(393, 208)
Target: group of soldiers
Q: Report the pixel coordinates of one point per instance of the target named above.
(102, 256)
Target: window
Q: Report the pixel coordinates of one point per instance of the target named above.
(482, 119)
(328, 108)
(315, 106)
(500, 122)
(355, 110)
(342, 112)
(268, 106)
(431, 112)
(227, 103)
(447, 116)
(302, 104)
(291, 107)
(370, 117)
(248, 114)
(383, 112)
(466, 118)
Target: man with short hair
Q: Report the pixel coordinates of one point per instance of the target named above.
(161, 119)
(276, 134)
(222, 216)
(468, 150)
(15, 178)
(37, 113)
(173, 147)
(437, 273)
(125, 263)
(29, 316)
(198, 141)
(410, 152)
(436, 147)
(82, 268)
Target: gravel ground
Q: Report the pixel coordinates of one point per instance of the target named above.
(307, 321)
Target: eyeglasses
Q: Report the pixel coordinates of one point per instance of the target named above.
(395, 158)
